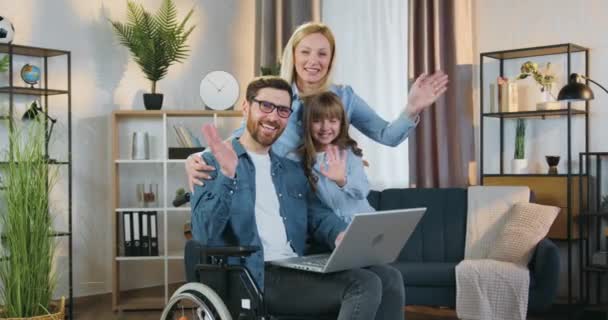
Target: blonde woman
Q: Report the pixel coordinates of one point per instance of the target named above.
(307, 64)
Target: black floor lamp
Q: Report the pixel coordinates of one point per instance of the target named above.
(577, 91)
(572, 92)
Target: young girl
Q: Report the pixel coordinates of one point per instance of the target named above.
(331, 159)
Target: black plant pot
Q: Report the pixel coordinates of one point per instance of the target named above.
(153, 101)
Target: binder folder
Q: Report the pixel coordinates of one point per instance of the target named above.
(145, 234)
(127, 228)
(137, 234)
(153, 234)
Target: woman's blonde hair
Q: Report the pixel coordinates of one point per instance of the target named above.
(321, 106)
(288, 71)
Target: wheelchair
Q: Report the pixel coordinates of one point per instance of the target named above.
(217, 290)
(218, 286)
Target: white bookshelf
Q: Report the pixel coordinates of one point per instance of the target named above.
(168, 174)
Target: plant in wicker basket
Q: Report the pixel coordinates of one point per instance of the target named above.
(27, 249)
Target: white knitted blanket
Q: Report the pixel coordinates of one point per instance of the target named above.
(489, 289)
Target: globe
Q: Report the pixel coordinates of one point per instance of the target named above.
(30, 74)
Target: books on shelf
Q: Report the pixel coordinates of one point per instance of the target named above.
(186, 138)
(504, 96)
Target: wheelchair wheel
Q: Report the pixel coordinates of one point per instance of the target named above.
(195, 301)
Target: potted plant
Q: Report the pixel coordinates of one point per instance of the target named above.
(272, 70)
(545, 79)
(27, 249)
(155, 41)
(520, 163)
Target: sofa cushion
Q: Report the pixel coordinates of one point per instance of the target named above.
(440, 234)
(433, 274)
(526, 225)
(374, 199)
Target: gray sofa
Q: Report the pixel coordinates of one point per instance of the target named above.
(428, 260)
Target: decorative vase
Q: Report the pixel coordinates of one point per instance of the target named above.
(140, 147)
(552, 161)
(519, 166)
(153, 101)
(547, 101)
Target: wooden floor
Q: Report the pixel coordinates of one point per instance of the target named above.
(100, 307)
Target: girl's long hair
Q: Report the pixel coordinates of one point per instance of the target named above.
(321, 106)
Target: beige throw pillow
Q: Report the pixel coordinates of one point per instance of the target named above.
(527, 224)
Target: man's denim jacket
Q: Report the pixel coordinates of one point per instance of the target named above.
(223, 209)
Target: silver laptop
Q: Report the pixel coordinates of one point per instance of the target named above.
(370, 239)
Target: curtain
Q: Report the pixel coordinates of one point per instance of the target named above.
(371, 56)
(275, 22)
(440, 37)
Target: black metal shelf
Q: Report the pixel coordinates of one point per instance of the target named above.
(60, 234)
(498, 61)
(527, 175)
(10, 90)
(595, 214)
(534, 114)
(53, 234)
(595, 268)
(31, 51)
(563, 48)
(59, 163)
(32, 91)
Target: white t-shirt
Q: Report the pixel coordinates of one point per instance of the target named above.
(271, 228)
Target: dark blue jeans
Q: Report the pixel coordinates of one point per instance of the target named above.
(370, 293)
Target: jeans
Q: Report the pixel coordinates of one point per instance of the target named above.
(375, 292)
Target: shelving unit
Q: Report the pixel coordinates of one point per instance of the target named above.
(560, 190)
(42, 92)
(593, 226)
(170, 240)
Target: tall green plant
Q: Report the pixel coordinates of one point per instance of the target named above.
(27, 252)
(520, 136)
(155, 41)
(4, 62)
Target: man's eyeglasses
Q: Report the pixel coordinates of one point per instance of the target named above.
(268, 107)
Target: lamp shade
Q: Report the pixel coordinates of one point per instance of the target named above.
(575, 91)
(32, 112)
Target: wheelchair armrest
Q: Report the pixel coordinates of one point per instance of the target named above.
(236, 251)
(195, 253)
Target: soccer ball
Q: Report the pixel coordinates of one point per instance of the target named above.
(7, 31)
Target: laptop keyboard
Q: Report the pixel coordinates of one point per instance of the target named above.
(319, 262)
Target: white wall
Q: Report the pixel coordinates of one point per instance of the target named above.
(105, 78)
(513, 24)
(371, 56)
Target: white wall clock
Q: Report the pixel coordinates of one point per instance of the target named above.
(219, 90)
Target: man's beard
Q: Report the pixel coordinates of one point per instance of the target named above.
(255, 130)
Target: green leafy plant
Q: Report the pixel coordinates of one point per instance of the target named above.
(4, 63)
(273, 70)
(545, 78)
(155, 41)
(520, 136)
(27, 248)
